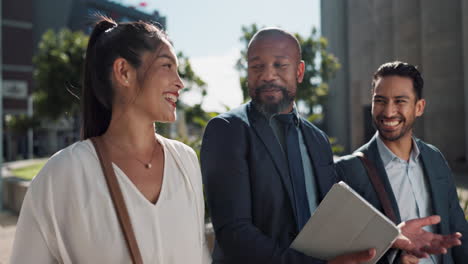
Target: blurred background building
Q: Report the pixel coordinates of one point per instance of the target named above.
(363, 34)
(17, 73)
(23, 24)
(430, 34)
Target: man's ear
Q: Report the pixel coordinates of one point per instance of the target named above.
(420, 105)
(300, 71)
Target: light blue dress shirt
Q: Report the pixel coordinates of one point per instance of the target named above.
(410, 187)
(310, 184)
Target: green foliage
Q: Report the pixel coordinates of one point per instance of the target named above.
(21, 123)
(320, 67)
(463, 201)
(28, 172)
(241, 65)
(197, 116)
(336, 148)
(465, 208)
(58, 69)
(314, 117)
(195, 144)
(162, 129)
(194, 115)
(191, 79)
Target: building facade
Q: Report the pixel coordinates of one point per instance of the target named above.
(75, 15)
(17, 75)
(23, 23)
(431, 34)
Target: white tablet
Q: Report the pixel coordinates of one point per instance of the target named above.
(344, 223)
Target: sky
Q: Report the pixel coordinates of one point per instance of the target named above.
(209, 31)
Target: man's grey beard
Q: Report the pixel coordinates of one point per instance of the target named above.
(269, 108)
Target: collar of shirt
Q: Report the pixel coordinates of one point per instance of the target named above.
(294, 112)
(388, 156)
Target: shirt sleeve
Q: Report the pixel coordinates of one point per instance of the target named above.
(206, 256)
(30, 245)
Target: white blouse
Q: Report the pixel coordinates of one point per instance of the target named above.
(68, 216)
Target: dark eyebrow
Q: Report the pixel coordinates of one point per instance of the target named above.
(379, 97)
(402, 97)
(396, 97)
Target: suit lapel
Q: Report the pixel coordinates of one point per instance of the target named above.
(436, 184)
(372, 153)
(324, 182)
(265, 134)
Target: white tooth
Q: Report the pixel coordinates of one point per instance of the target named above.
(393, 123)
(171, 97)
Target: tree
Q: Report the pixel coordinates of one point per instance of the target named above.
(58, 71)
(191, 79)
(59, 68)
(320, 68)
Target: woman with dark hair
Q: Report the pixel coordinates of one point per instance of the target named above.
(70, 213)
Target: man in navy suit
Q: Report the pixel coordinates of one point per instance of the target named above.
(415, 175)
(265, 168)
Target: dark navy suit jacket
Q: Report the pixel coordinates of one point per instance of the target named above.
(249, 192)
(442, 191)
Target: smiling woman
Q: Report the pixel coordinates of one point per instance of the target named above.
(124, 193)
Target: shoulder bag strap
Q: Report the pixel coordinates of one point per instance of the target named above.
(118, 201)
(378, 186)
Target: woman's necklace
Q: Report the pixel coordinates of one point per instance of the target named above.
(147, 165)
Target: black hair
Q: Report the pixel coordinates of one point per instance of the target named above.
(108, 41)
(402, 69)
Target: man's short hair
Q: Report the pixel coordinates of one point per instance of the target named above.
(402, 69)
(274, 31)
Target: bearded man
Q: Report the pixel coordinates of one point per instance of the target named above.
(265, 168)
(415, 176)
